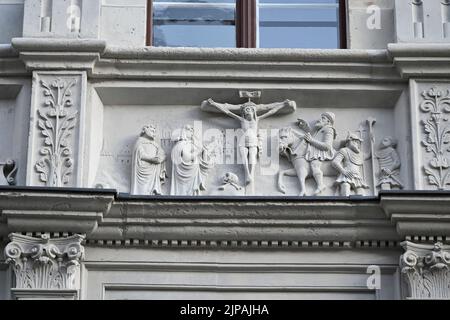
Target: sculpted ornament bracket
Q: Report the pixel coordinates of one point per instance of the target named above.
(45, 263)
(437, 129)
(56, 123)
(425, 268)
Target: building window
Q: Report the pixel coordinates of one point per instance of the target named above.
(247, 23)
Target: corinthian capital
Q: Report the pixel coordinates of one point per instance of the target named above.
(425, 268)
(44, 263)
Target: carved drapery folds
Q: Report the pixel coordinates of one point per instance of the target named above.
(44, 263)
(425, 269)
(436, 103)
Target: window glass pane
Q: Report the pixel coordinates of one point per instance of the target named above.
(299, 24)
(194, 23)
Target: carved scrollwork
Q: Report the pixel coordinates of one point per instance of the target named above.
(426, 270)
(44, 263)
(437, 130)
(56, 124)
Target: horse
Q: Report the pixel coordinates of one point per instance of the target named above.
(293, 147)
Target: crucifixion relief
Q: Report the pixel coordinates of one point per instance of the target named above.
(249, 114)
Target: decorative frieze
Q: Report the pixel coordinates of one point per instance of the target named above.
(57, 120)
(436, 104)
(56, 139)
(44, 263)
(425, 269)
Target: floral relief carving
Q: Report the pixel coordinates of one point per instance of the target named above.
(56, 122)
(425, 269)
(44, 263)
(436, 103)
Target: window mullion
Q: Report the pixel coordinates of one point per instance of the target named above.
(149, 29)
(343, 24)
(246, 23)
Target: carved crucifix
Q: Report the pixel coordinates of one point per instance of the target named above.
(249, 114)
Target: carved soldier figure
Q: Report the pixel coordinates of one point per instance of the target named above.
(389, 162)
(249, 145)
(190, 164)
(148, 164)
(320, 146)
(349, 162)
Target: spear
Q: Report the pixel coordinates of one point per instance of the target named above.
(370, 122)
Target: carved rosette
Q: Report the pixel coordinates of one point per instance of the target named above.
(44, 263)
(425, 268)
(436, 103)
(56, 122)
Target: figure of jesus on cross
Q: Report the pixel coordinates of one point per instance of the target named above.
(249, 114)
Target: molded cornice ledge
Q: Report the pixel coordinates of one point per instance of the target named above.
(42, 209)
(421, 59)
(246, 64)
(59, 54)
(10, 64)
(418, 214)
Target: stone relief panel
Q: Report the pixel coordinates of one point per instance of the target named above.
(205, 153)
(434, 107)
(425, 269)
(44, 263)
(58, 105)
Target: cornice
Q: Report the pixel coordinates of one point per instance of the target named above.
(112, 219)
(59, 54)
(213, 64)
(232, 64)
(418, 215)
(422, 60)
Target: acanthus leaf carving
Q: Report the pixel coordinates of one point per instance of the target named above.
(44, 263)
(437, 139)
(425, 268)
(56, 125)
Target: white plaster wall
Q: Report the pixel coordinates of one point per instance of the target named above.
(131, 273)
(123, 22)
(11, 19)
(402, 125)
(14, 123)
(94, 133)
(359, 34)
(3, 281)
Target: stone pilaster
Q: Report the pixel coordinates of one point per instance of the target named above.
(45, 268)
(430, 110)
(425, 269)
(56, 129)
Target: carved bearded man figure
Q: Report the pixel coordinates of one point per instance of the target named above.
(190, 165)
(320, 147)
(389, 162)
(148, 164)
(349, 162)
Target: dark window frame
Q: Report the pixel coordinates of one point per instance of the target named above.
(246, 23)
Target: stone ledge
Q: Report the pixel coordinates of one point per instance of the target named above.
(107, 217)
(59, 54)
(421, 60)
(244, 54)
(52, 210)
(418, 213)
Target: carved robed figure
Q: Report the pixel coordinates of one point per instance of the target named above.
(148, 164)
(190, 164)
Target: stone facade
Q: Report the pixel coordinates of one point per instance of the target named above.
(157, 172)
